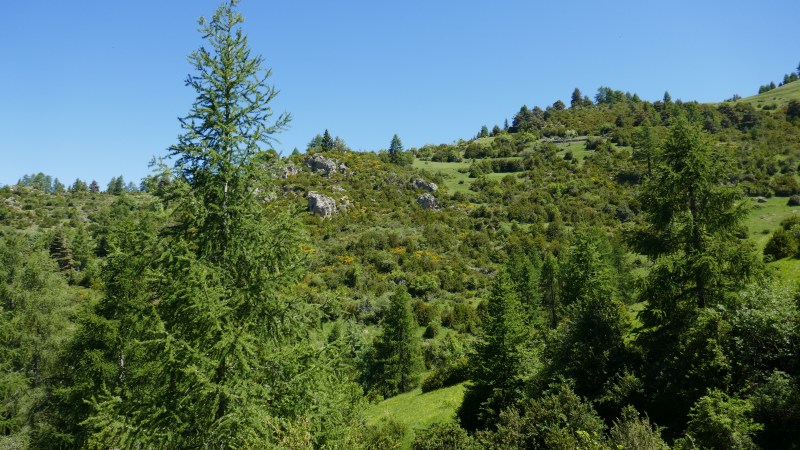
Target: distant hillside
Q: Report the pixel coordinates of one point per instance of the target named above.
(775, 98)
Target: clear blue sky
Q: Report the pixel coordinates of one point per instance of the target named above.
(93, 89)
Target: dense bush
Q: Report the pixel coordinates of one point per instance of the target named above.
(449, 375)
(780, 245)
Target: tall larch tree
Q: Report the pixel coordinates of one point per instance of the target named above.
(692, 220)
(229, 363)
(398, 350)
(499, 361)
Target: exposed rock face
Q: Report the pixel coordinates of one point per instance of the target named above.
(290, 171)
(761, 200)
(326, 166)
(428, 201)
(321, 205)
(422, 184)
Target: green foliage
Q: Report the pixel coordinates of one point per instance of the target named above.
(397, 352)
(632, 431)
(777, 406)
(690, 215)
(499, 361)
(718, 421)
(558, 420)
(448, 375)
(447, 436)
(396, 154)
(781, 244)
(36, 308)
(226, 358)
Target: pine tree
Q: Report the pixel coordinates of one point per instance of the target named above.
(61, 251)
(94, 187)
(116, 186)
(398, 351)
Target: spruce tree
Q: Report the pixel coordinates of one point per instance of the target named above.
(396, 150)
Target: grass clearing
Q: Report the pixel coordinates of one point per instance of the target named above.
(578, 150)
(778, 97)
(767, 217)
(763, 220)
(454, 180)
(417, 410)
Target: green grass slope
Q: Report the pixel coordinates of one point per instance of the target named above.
(765, 218)
(417, 410)
(778, 97)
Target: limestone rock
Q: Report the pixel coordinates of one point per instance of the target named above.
(326, 166)
(321, 205)
(419, 183)
(289, 171)
(428, 201)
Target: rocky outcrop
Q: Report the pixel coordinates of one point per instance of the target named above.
(419, 183)
(289, 171)
(428, 201)
(325, 166)
(321, 205)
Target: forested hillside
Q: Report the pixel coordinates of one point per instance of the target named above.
(607, 272)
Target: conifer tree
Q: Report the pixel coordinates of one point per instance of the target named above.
(395, 150)
(499, 360)
(327, 141)
(692, 219)
(35, 310)
(78, 186)
(589, 347)
(577, 99)
(398, 351)
(645, 146)
(549, 287)
(228, 362)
